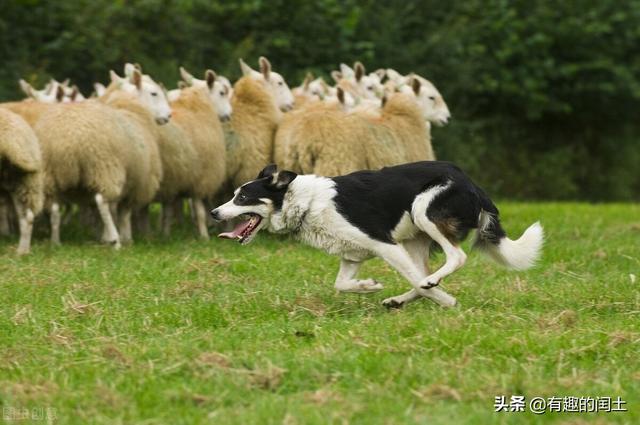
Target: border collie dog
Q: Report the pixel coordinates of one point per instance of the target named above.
(395, 213)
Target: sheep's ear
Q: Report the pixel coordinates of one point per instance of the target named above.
(136, 79)
(115, 78)
(186, 77)
(307, 80)
(340, 94)
(346, 70)
(49, 87)
(99, 88)
(415, 85)
(393, 75)
(182, 85)
(359, 70)
(268, 171)
(75, 91)
(65, 83)
(26, 87)
(129, 69)
(210, 76)
(137, 66)
(265, 67)
(336, 75)
(59, 93)
(246, 69)
(381, 73)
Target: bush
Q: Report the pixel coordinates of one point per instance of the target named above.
(544, 94)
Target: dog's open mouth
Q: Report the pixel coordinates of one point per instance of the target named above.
(245, 230)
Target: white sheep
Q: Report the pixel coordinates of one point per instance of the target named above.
(20, 172)
(258, 101)
(192, 148)
(325, 140)
(104, 151)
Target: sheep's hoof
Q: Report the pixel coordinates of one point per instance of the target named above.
(23, 251)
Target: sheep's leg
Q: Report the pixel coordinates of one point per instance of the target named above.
(178, 210)
(201, 218)
(5, 226)
(124, 225)
(54, 215)
(25, 219)
(167, 217)
(142, 221)
(192, 209)
(111, 232)
(398, 257)
(346, 282)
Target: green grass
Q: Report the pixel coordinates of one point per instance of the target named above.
(182, 332)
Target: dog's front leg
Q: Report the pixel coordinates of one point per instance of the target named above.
(346, 282)
(398, 258)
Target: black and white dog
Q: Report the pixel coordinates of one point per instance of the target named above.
(394, 213)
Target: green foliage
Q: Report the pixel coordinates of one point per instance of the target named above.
(544, 95)
(185, 332)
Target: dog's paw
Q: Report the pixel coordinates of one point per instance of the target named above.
(361, 286)
(429, 283)
(392, 302)
(369, 285)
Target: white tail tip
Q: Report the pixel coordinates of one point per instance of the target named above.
(522, 253)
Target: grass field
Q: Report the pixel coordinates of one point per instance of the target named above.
(184, 332)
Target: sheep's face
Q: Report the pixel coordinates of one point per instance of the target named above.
(151, 95)
(371, 87)
(431, 103)
(219, 94)
(155, 99)
(274, 82)
(218, 87)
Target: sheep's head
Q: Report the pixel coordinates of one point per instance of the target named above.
(52, 93)
(218, 88)
(370, 86)
(150, 93)
(276, 85)
(431, 103)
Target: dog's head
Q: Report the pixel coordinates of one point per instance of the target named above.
(256, 201)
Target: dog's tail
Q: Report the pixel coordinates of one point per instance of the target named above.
(519, 254)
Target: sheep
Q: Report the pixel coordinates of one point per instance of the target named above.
(357, 83)
(105, 151)
(54, 92)
(221, 80)
(258, 101)
(326, 140)
(192, 148)
(21, 175)
(218, 88)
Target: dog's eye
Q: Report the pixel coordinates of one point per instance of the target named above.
(242, 197)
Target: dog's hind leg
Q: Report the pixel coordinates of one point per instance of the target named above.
(398, 257)
(346, 282)
(418, 250)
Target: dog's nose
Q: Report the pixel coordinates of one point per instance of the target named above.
(215, 214)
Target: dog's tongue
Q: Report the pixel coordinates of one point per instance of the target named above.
(235, 232)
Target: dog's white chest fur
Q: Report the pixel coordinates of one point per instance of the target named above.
(310, 214)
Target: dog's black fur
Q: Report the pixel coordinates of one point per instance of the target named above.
(374, 201)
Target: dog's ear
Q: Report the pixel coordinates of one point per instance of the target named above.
(268, 171)
(285, 178)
